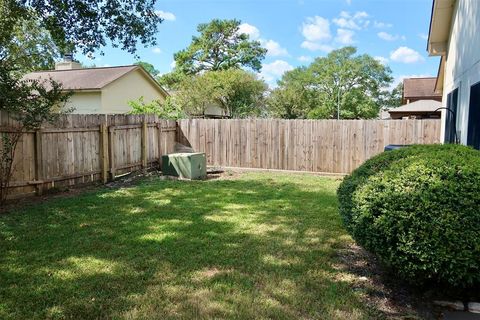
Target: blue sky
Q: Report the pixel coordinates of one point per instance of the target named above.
(296, 31)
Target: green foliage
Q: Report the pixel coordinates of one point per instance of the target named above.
(31, 103)
(220, 46)
(31, 47)
(165, 110)
(293, 99)
(239, 93)
(418, 210)
(148, 67)
(88, 25)
(394, 98)
(355, 82)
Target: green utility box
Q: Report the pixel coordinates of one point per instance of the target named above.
(191, 166)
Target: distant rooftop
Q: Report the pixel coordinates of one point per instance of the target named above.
(83, 79)
(418, 106)
(420, 88)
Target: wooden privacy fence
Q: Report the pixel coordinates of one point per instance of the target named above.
(328, 146)
(85, 148)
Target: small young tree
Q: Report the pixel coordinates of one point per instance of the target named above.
(238, 92)
(30, 103)
(165, 110)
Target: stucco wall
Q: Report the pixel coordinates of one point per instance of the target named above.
(115, 96)
(85, 102)
(462, 68)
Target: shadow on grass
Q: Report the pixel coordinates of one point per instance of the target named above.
(261, 246)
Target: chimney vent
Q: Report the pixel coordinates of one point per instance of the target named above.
(68, 57)
(68, 63)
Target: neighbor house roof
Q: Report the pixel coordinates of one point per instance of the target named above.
(420, 88)
(88, 78)
(418, 106)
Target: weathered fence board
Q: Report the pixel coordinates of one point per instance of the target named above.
(328, 146)
(85, 148)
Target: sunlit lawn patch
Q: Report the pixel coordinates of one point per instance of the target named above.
(257, 246)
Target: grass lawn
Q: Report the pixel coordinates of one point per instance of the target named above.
(257, 246)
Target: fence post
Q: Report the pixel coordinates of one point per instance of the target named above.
(38, 161)
(144, 145)
(104, 151)
(111, 153)
(159, 126)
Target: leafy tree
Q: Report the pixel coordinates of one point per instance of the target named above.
(87, 25)
(220, 46)
(28, 30)
(236, 91)
(30, 103)
(354, 83)
(148, 67)
(293, 99)
(31, 47)
(165, 110)
(394, 98)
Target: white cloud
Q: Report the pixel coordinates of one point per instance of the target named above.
(313, 46)
(382, 25)
(166, 15)
(157, 50)
(274, 48)
(406, 55)
(273, 71)
(304, 59)
(382, 60)
(173, 64)
(346, 23)
(345, 36)
(316, 29)
(360, 15)
(357, 21)
(423, 36)
(252, 31)
(387, 36)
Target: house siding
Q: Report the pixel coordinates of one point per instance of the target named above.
(132, 86)
(462, 67)
(85, 102)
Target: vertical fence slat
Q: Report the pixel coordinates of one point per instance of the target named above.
(328, 146)
(85, 148)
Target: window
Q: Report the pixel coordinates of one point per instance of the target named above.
(451, 117)
(473, 138)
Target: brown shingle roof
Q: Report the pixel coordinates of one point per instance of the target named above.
(420, 87)
(83, 79)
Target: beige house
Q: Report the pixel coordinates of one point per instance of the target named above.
(455, 37)
(103, 90)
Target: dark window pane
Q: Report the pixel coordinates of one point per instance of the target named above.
(474, 117)
(451, 117)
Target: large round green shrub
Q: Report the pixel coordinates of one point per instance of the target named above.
(418, 209)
